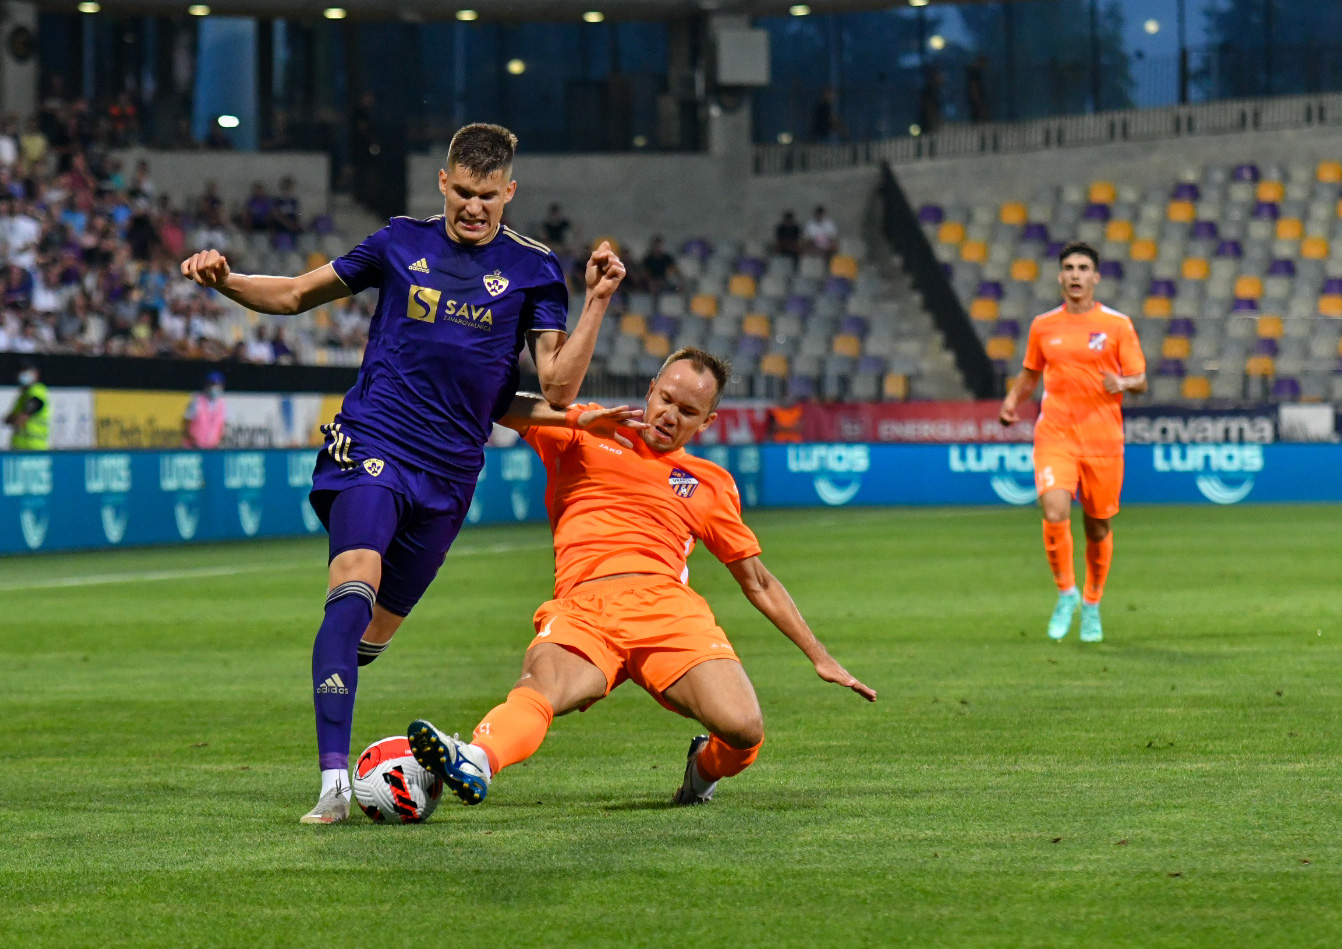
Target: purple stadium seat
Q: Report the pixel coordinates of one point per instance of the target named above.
(283, 241)
(871, 365)
(1163, 288)
(1281, 268)
(322, 225)
(1182, 326)
(1054, 248)
(664, 325)
(1267, 210)
(838, 287)
(1204, 231)
(1332, 285)
(947, 271)
(990, 290)
(1007, 328)
(1034, 231)
(1096, 212)
(1265, 347)
(1230, 249)
(800, 387)
(697, 247)
(931, 214)
(751, 347)
(1111, 270)
(751, 267)
(1001, 367)
(853, 325)
(797, 305)
(1244, 306)
(1170, 367)
(1187, 191)
(1245, 173)
(1286, 388)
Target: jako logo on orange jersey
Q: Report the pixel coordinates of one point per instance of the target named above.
(682, 482)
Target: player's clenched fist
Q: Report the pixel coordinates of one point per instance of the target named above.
(209, 268)
(605, 270)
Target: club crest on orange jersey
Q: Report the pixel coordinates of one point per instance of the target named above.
(683, 483)
(1097, 341)
(495, 283)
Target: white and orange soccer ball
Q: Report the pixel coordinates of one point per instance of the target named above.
(391, 786)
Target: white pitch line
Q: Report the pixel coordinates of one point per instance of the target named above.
(146, 576)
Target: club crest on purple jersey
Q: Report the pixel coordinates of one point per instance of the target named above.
(1097, 341)
(682, 482)
(495, 283)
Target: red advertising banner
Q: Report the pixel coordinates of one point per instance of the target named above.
(937, 422)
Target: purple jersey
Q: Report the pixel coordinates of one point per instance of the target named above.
(451, 320)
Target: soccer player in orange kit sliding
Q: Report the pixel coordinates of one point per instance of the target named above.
(1088, 356)
(626, 512)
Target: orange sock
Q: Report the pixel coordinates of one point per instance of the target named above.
(721, 760)
(1098, 558)
(512, 732)
(1058, 549)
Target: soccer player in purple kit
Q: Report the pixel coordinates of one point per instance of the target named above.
(459, 295)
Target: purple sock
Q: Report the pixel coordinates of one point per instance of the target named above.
(335, 669)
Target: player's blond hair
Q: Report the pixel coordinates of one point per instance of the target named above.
(482, 149)
(702, 361)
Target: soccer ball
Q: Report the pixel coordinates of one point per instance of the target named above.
(390, 785)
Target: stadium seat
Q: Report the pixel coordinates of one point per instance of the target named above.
(951, 232)
(774, 364)
(841, 265)
(658, 346)
(634, 324)
(1158, 307)
(1195, 268)
(1196, 387)
(1329, 172)
(895, 386)
(1314, 248)
(1330, 304)
(1174, 347)
(615, 245)
(1248, 287)
(756, 324)
(1102, 192)
(1260, 366)
(1143, 249)
(1270, 327)
(1270, 192)
(845, 344)
(1013, 213)
(1024, 270)
(1001, 347)
(1183, 212)
(1118, 232)
(742, 285)
(1290, 229)
(974, 251)
(984, 308)
(704, 304)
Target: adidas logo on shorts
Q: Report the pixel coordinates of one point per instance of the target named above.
(333, 684)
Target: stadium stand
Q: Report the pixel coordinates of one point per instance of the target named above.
(1232, 274)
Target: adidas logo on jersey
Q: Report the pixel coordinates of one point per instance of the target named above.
(334, 685)
(420, 266)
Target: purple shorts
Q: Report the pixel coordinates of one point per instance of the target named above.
(408, 516)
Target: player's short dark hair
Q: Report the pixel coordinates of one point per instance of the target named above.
(702, 361)
(1080, 247)
(482, 149)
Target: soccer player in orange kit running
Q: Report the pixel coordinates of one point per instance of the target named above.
(1088, 355)
(626, 512)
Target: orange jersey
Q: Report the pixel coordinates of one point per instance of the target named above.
(1074, 351)
(631, 510)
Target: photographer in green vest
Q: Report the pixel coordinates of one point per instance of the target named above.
(31, 415)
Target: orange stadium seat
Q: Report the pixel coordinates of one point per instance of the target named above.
(634, 324)
(1290, 229)
(704, 304)
(1330, 304)
(1182, 211)
(774, 364)
(1329, 171)
(1314, 248)
(1195, 268)
(984, 309)
(1120, 232)
(742, 285)
(1273, 191)
(316, 259)
(951, 232)
(1001, 347)
(1261, 366)
(614, 243)
(1176, 347)
(321, 317)
(1160, 307)
(895, 386)
(1270, 327)
(1197, 387)
(1013, 213)
(1248, 287)
(841, 265)
(845, 344)
(755, 324)
(975, 252)
(1024, 270)
(658, 346)
(1103, 192)
(1143, 249)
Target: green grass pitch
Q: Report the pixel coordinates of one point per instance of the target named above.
(1177, 785)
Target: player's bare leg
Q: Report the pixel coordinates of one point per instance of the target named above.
(719, 695)
(1057, 509)
(554, 681)
(381, 628)
(1099, 554)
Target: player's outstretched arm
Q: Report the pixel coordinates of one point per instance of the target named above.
(527, 410)
(562, 360)
(1022, 390)
(1114, 384)
(279, 295)
(768, 595)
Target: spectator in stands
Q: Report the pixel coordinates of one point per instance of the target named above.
(259, 349)
(33, 146)
(9, 143)
(826, 125)
(19, 231)
(142, 183)
(787, 236)
(284, 213)
(141, 234)
(555, 229)
(206, 414)
(256, 214)
(124, 118)
(280, 351)
(821, 235)
(659, 267)
(18, 288)
(217, 139)
(929, 101)
(976, 88)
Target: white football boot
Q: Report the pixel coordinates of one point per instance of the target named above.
(331, 807)
(694, 790)
(463, 767)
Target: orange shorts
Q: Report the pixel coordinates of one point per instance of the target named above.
(1094, 480)
(649, 629)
